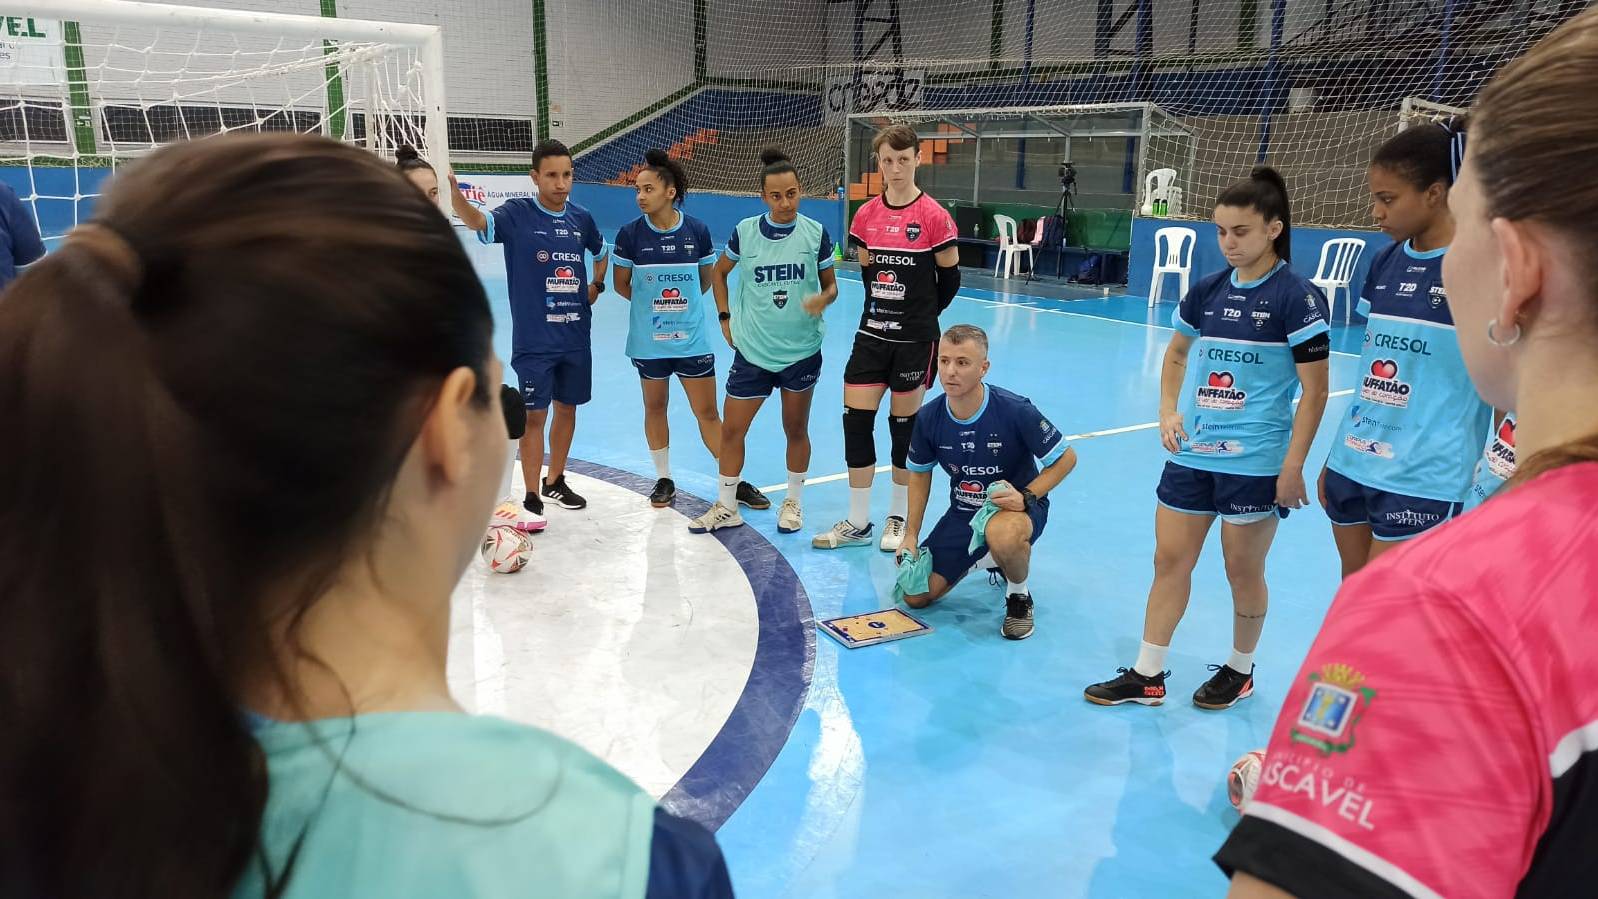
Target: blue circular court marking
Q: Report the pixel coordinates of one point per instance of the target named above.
(785, 654)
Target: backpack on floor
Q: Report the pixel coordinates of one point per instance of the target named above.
(1091, 271)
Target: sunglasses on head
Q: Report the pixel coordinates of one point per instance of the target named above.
(510, 401)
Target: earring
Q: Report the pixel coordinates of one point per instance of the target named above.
(1492, 335)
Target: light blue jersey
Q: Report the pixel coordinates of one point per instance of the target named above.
(445, 805)
(668, 315)
(1496, 465)
(1237, 397)
(1416, 425)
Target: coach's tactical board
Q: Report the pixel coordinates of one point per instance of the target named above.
(855, 631)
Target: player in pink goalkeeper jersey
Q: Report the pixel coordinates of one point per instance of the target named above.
(1442, 737)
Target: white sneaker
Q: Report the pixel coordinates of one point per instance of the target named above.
(842, 534)
(790, 517)
(714, 519)
(892, 534)
(511, 513)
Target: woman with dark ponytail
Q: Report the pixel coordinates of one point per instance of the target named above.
(1404, 457)
(417, 171)
(773, 323)
(668, 328)
(267, 366)
(1255, 334)
(1447, 695)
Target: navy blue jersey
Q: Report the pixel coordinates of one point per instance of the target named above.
(1417, 426)
(19, 236)
(1007, 440)
(668, 315)
(1237, 397)
(547, 271)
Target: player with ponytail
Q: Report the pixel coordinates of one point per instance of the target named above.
(1246, 340)
(773, 323)
(1446, 695)
(662, 266)
(1404, 456)
(267, 368)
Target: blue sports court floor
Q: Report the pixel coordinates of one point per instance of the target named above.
(957, 764)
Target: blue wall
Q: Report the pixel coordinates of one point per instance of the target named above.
(611, 206)
(1207, 256)
(56, 216)
(614, 206)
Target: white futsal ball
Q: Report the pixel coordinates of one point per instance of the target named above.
(1244, 778)
(507, 550)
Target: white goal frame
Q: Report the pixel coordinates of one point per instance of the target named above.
(428, 41)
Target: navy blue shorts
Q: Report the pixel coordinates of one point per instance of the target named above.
(1236, 498)
(562, 377)
(950, 542)
(1390, 516)
(682, 366)
(748, 381)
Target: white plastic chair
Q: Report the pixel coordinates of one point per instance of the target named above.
(1010, 249)
(1157, 186)
(1339, 258)
(1173, 255)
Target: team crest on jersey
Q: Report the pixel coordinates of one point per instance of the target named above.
(1338, 699)
(543, 255)
(886, 286)
(1382, 385)
(912, 232)
(564, 280)
(779, 298)
(1439, 296)
(1219, 393)
(671, 300)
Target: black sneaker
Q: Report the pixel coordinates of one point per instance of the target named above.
(1225, 688)
(749, 496)
(664, 494)
(533, 504)
(1017, 617)
(563, 496)
(1129, 686)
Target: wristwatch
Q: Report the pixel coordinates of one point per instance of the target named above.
(724, 316)
(1029, 499)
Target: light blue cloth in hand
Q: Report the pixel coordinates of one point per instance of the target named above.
(979, 521)
(914, 578)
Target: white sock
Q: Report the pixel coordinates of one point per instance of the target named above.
(662, 459)
(1241, 662)
(1150, 659)
(796, 483)
(901, 501)
(729, 492)
(1015, 586)
(860, 507)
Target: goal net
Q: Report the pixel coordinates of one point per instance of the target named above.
(1310, 86)
(88, 85)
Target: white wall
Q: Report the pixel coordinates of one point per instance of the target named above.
(611, 58)
(786, 35)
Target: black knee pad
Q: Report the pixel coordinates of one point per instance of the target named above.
(859, 438)
(900, 428)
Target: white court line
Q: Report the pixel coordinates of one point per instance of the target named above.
(1148, 425)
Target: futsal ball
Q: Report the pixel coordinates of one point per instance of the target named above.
(506, 550)
(1244, 777)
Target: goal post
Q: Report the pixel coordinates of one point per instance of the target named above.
(90, 84)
